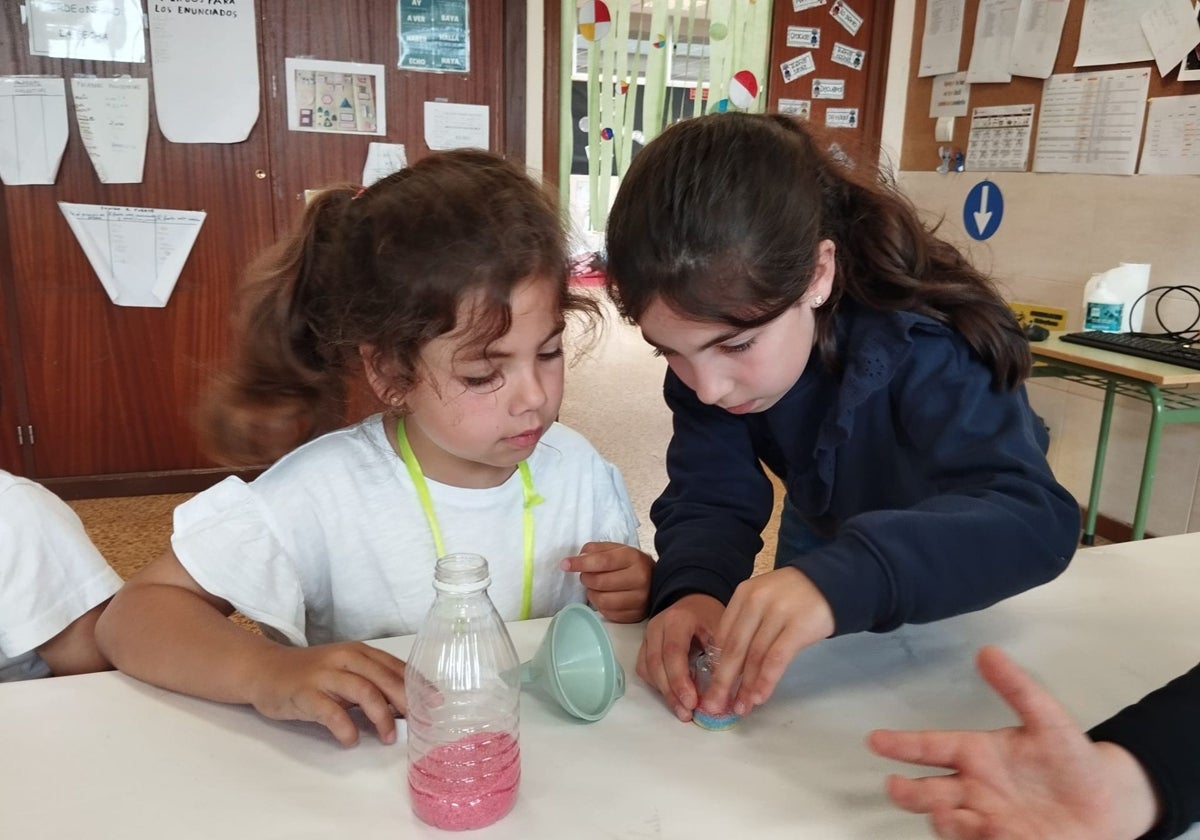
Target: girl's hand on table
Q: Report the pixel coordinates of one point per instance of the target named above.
(320, 683)
(617, 578)
(663, 657)
(770, 618)
(1041, 780)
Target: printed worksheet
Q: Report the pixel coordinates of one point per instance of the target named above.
(999, 138)
(942, 37)
(1092, 122)
(1172, 136)
(1038, 37)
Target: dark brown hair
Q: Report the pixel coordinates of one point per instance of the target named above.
(721, 216)
(385, 267)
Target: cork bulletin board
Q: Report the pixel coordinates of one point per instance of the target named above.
(920, 147)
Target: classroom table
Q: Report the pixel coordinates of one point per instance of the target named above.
(1164, 386)
(104, 756)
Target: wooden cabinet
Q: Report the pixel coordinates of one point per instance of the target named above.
(109, 391)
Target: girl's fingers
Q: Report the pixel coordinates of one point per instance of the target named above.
(928, 794)
(1035, 706)
(931, 748)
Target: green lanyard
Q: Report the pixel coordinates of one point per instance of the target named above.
(531, 500)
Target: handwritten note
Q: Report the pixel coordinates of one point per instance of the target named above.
(114, 119)
(98, 30)
(205, 57)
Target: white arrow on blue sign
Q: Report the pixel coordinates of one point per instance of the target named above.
(983, 210)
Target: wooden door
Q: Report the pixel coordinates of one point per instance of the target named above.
(111, 390)
(14, 413)
(365, 31)
(857, 85)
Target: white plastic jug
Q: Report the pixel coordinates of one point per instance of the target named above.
(1103, 308)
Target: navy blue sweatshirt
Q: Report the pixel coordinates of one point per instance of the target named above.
(931, 485)
(1162, 731)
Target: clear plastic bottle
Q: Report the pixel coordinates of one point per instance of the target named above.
(462, 685)
(704, 666)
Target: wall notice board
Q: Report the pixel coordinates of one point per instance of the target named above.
(920, 147)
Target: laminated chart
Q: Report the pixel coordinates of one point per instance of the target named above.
(137, 252)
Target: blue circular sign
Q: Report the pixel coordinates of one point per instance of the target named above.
(983, 210)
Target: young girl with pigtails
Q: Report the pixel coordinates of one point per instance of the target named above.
(446, 285)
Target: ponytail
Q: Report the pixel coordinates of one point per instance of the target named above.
(286, 383)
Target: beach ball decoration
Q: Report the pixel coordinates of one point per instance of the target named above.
(722, 106)
(594, 20)
(624, 86)
(660, 42)
(717, 31)
(743, 89)
(606, 133)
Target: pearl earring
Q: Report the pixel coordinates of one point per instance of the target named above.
(818, 300)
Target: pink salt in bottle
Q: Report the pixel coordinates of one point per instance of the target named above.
(463, 691)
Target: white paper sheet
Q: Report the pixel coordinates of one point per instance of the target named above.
(33, 113)
(114, 118)
(950, 95)
(999, 138)
(205, 59)
(449, 125)
(1038, 37)
(1092, 122)
(1171, 31)
(98, 30)
(991, 53)
(942, 37)
(1172, 126)
(1111, 33)
(137, 252)
(382, 160)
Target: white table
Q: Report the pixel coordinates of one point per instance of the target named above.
(104, 756)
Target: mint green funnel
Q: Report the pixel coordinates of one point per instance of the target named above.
(576, 665)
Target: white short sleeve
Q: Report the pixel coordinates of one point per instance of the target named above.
(50, 574)
(230, 546)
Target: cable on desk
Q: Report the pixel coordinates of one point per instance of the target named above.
(1189, 333)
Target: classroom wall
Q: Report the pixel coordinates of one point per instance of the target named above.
(1057, 231)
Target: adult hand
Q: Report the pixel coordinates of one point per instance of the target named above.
(617, 579)
(663, 657)
(1041, 780)
(320, 683)
(770, 618)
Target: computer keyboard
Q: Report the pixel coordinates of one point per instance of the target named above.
(1147, 347)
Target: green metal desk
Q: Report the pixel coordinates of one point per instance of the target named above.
(1163, 386)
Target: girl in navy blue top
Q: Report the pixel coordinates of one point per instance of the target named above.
(816, 328)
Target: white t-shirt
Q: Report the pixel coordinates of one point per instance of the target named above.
(50, 574)
(331, 543)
